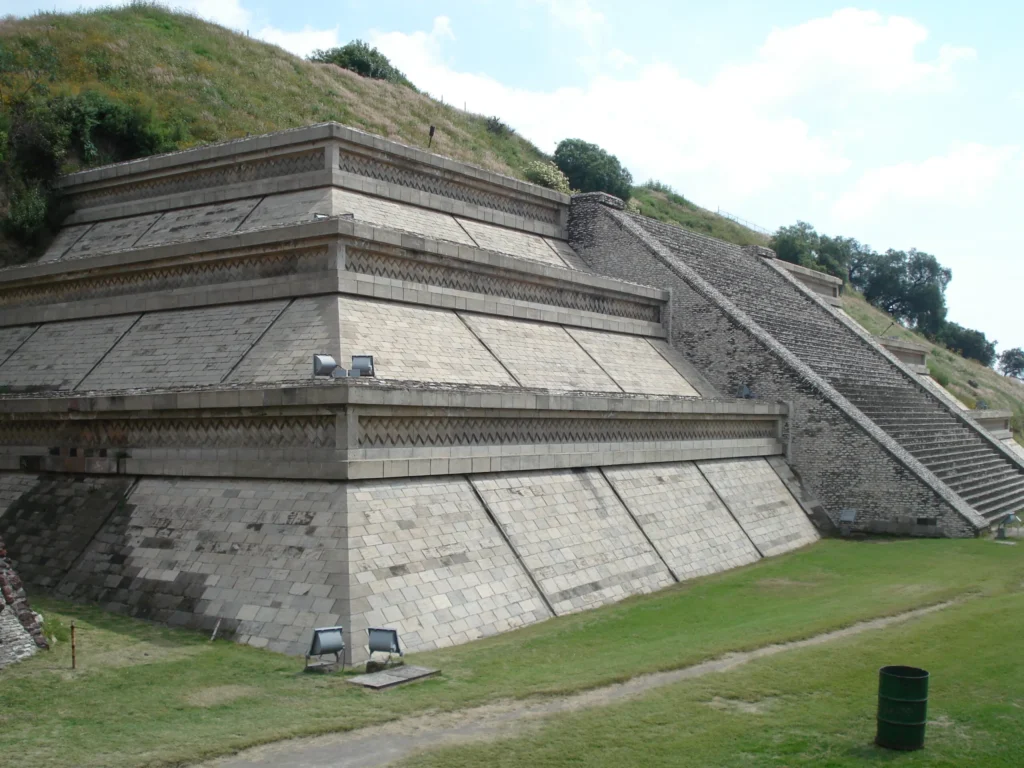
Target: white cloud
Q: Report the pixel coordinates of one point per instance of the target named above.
(578, 15)
(849, 51)
(301, 43)
(619, 59)
(961, 176)
(739, 131)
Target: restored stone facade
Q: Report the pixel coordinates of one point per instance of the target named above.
(535, 441)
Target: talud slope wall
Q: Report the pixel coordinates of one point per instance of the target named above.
(444, 560)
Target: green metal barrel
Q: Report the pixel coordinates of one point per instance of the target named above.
(902, 707)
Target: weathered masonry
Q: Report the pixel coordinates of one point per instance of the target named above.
(539, 437)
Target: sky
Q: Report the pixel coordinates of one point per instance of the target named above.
(897, 123)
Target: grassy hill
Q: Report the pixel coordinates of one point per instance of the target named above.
(205, 83)
(948, 368)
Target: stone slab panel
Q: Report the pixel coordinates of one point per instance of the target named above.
(115, 235)
(426, 560)
(633, 363)
(512, 242)
(183, 347)
(15, 641)
(761, 503)
(289, 208)
(51, 520)
(383, 213)
(13, 485)
(416, 343)
(66, 237)
(540, 355)
(285, 353)
(567, 254)
(12, 338)
(683, 517)
(575, 537)
(267, 559)
(201, 221)
(59, 355)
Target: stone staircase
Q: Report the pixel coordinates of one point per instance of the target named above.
(955, 451)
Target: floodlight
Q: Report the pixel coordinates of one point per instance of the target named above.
(363, 364)
(327, 640)
(318, 215)
(384, 641)
(323, 365)
(745, 393)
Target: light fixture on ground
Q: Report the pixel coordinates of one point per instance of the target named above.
(326, 640)
(383, 641)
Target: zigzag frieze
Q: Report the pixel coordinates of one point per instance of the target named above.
(447, 274)
(423, 181)
(241, 432)
(388, 431)
(221, 176)
(251, 266)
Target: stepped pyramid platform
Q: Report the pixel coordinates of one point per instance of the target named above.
(533, 443)
(866, 433)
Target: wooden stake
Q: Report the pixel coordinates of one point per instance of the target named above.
(73, 660)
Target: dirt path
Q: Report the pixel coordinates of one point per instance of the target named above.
(384, 744)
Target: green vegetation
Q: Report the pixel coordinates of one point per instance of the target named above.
(806, 707)
(948, 368)
(1011, 363)
(547, 174)
(591, 169)
(360, 58)
(661, 202)
(189, 698)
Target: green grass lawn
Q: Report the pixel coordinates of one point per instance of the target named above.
(811, 707)
(146, 695)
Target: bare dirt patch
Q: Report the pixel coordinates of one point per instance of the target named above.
(741, 707)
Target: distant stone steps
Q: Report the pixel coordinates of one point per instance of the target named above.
(953, 449)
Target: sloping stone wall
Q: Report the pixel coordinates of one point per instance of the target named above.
(840, 455)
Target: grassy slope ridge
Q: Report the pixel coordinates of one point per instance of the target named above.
(219, 85)
(999, 392)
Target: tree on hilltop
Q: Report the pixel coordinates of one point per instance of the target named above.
(591, 169)
(1011, 363)
(364, 60)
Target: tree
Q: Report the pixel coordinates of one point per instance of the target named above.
(590, 169)
(909, 285)
(360, 58)
(1011, 363)
(801, 244)
(968, 343)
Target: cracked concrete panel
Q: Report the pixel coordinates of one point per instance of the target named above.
(574, 536)
(761, 503)
(59, 355)
(512, 242)
(285, 352)
(195, 223)
(540, 355)
(384, 213)
(416, 343)
(683, 517)
(426, 560)
(183, 347)
(66, 238)
(633, 363)
(115, 235)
